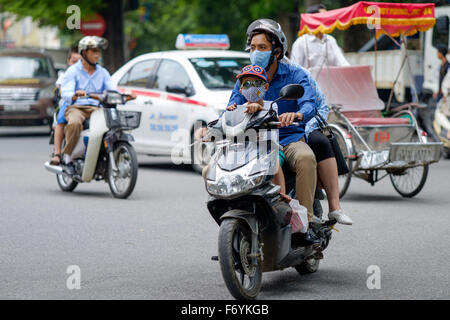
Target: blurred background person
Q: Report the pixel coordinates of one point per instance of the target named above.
(72, 58)
(317, 50)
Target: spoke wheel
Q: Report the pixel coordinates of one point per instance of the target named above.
(123, 181)
(242, 278)
(409, 182)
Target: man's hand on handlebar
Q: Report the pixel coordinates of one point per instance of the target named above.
(288, 118)
(78, 93)
(130, 96)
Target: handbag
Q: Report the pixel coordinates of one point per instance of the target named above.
(326, 130)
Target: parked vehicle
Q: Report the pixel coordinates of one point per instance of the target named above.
(103, 151)
(255, 233)
(27, 84)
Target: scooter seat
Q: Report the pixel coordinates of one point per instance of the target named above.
(359, 122)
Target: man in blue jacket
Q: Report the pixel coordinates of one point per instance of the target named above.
(268, 45)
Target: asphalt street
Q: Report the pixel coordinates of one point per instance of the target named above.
(158, 243)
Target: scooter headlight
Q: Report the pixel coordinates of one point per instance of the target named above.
(233, 185)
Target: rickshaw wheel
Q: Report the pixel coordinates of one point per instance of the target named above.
(343, 180)
(409, 182)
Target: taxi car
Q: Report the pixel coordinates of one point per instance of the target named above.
(177, 91)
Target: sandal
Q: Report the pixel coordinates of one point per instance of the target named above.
(55, 162)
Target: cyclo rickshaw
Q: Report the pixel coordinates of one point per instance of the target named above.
(374, 146)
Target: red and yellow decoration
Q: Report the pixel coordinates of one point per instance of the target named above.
(394, 19)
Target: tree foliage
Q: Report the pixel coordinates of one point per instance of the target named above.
(168, 18)
(171, 17)
(49, 12)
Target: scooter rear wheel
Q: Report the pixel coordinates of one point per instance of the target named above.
(242, 279)
(65, 183)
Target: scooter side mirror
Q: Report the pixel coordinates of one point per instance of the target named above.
(291, 92)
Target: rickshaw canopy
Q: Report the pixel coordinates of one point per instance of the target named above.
(351, 87)
(393, 19)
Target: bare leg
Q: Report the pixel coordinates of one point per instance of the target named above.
(278, 179)
(59, 136)
(328, 174)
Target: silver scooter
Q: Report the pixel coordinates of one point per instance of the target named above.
(103, 151)
(255, 233)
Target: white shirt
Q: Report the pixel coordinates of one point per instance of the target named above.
(310, 51)
(60, 79)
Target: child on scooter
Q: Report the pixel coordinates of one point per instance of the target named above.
(253, 80)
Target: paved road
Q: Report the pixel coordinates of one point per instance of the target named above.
(158, 243)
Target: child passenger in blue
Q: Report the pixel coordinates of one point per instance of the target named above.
(254, 84)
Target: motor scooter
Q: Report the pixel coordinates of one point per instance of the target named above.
(103, 151)
(255, 233)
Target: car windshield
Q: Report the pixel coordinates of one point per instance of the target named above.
(219, 73)
(24, 68)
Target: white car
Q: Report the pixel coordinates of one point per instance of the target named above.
(176, 89)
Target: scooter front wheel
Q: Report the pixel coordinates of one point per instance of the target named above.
(242, 278)
(123, 180)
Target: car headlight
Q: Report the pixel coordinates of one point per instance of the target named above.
(233, 185)
(47, 93)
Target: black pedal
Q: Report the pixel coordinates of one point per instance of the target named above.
(215, 258)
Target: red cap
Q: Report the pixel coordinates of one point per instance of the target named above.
(253, 70)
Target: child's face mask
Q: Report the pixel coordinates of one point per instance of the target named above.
(253, 91)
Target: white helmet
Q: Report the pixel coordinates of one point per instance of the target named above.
(90, 42)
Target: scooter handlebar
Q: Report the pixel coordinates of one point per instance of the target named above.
(278, 123)
(101, 97)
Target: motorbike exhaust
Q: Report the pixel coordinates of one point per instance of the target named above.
(53, 169)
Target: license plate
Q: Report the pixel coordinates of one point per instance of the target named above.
(415, 152)
(16, 107)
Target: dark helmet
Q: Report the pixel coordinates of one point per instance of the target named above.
(271, 27)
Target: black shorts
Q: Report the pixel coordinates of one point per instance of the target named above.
(320, 145)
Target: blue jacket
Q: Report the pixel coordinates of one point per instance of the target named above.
(307, 105)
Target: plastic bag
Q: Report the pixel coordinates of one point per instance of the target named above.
(299, 218)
